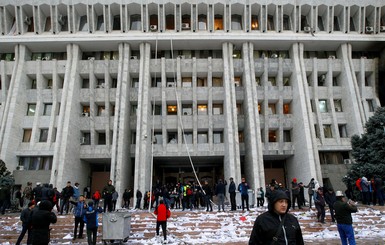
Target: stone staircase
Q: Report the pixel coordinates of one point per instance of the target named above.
(200, 227)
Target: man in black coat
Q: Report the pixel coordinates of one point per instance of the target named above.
(232, 189)
(107, 195)
(276, 226)
(220, 191)
(66, 194)
(139, 196)
(343, 214)
(40, 221)
(330, 199)
(25, 218)
(37, 192)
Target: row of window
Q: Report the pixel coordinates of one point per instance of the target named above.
(328, 131)
(43, 135)
(187, 82)
(85, 139)
(187, 54)
(192, 17)
(86, 109)
(187, 138)
(202, 136)
(217, 109)
(201, 109)
(36, 163)
(324, 105)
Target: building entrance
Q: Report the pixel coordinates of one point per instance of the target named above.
(172, 173)
(275, 170)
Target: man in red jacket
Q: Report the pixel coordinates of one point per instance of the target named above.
(163, 213)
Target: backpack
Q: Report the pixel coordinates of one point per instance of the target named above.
(189, 191)
(27, 192)
(96, 196)
(51, 194)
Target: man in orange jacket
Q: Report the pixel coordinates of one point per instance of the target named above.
(163, 213)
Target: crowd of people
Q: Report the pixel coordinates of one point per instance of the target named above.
(190, 195)
(38, 203)
(43, 198)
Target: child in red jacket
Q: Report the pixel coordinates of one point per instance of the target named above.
(163, 213)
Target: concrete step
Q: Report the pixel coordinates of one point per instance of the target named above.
(192, 225)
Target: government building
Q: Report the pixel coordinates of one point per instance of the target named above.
(141, 91)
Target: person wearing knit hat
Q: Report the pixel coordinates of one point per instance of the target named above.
(295, 188)
(26, 222)
(277, 226)
(343, 213)
(92, 223)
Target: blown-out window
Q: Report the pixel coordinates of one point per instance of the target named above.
(136, 23)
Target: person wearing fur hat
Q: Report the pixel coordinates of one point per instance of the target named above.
(40, 221)
(277, 226)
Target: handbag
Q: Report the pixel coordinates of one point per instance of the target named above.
(275, 237)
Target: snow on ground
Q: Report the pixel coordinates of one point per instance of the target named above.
(231, 231)
(200, 227)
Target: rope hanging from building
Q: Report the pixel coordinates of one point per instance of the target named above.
(174, 72)
(180, 119)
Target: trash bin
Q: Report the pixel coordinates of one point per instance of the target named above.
(116, 226)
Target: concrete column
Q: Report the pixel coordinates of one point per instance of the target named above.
(121, 165)
(306, 154)
(352, 94)
(231, 165)
(254, 168)
(14, 111)
(143, 154)
(67, 165)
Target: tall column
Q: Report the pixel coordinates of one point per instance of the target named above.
(232, 165)
(306, 152)
(143, 154)
(121, 164)
(254, 167)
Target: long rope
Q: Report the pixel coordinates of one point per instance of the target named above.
(181, 121)
(153, 126)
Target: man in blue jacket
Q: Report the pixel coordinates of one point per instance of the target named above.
(243, 188)
(79, 211)
(91, 219)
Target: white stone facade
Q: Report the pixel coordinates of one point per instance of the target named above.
(277, 85)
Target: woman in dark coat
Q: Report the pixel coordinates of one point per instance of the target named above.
(41, 220)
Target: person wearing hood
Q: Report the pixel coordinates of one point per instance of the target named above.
(76, 194)
(40, 221)
(319, 201)
(277, 226)
(365, 189)
(311, 188)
